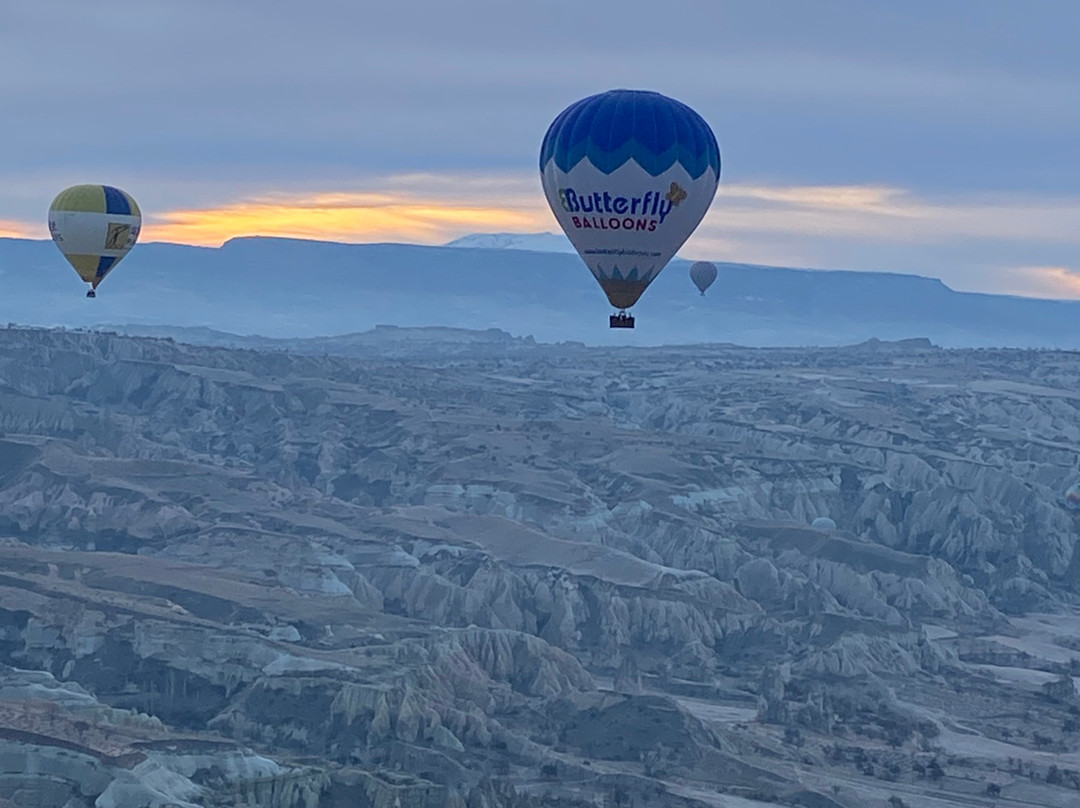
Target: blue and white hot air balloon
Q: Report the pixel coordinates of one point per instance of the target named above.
(629, 175)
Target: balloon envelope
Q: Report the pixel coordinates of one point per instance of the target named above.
(628, 174)
(702, 273)
(823, 523)
(94, 226)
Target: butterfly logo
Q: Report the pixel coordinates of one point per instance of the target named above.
(676, 194)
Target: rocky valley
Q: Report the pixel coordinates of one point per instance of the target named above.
(514, 574)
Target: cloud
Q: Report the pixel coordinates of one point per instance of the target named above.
(395, 214)
(11, 229)
(927, 94)
(914, 137)
(893, 215)
(430, 207)
(856, 197)
(963, 239)
(1045, 282)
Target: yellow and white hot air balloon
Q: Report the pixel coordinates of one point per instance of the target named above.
(94, 226)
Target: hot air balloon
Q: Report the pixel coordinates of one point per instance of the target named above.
(1072, 497)
(823, 523)
(629, 174)
(94, 226)
(702, 273)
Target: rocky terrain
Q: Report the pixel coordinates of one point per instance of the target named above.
(552, 576)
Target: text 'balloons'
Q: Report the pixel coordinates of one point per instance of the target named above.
(629, 175)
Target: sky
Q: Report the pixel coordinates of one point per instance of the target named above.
(936, 137)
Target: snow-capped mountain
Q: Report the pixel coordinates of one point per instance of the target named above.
(536, 242)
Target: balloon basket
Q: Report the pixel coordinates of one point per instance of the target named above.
(621, 320)
(91, 293)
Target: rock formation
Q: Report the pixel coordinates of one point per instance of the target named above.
(237, 577)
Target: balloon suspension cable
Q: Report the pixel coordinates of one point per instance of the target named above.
(621, 320)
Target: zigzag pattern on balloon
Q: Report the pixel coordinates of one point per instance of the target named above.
(612, 128)
(616, 274)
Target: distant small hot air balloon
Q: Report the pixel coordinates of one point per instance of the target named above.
(823, 523)
(94, 226)
(1072, 497)
(702, 273)
(629, 175)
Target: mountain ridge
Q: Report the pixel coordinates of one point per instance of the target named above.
(295, 288)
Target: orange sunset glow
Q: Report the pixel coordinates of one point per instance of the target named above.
(9, 229)
(357, 217)
(1051, 282)
(756, 223)
(432, 209)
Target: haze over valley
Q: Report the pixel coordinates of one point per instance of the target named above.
(287, 288)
